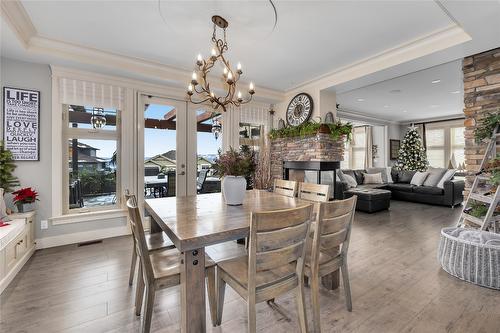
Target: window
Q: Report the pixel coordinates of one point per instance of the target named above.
(358, 148)
(445, 143)
(435, 147)
(91, 162)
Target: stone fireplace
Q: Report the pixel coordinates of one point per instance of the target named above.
(319, 147)
(481, 96)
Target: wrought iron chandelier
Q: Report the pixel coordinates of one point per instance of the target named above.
(98, 119)
(199, 80)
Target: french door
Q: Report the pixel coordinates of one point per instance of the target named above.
(166, 148)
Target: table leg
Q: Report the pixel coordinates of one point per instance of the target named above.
(331, 281)
(193, 291)
(154, 227)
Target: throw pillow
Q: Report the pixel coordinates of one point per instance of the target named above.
(448, 175)
(373, 178)
(405, 176)
(382, 171)
(418, 178)
(351, 182)
(435, 175)
(388, 171)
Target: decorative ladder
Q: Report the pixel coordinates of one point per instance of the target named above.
(492, 200)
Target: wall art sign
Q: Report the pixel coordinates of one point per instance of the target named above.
(21, 120)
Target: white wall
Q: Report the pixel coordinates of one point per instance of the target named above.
(38, 174)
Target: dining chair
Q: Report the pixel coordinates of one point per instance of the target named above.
(274, 265)
(285, 187)
(200, 181)
(154, 242)
(332, 230)
(314, 192)
(160, 269)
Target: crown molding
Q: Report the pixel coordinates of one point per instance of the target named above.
(363, 117)
(19, 21)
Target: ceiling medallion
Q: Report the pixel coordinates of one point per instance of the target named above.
(199, 80)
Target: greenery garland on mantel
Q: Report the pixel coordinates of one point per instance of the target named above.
(309, 128)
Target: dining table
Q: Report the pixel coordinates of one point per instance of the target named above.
(197, 221)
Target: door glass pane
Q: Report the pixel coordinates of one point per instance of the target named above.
(208, 147)
(91, 117)
(92, 167)
(159, 150)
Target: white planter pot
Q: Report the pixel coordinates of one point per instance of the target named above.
(233, 189)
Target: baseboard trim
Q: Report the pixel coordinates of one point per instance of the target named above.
(4, 283)
(84, 236)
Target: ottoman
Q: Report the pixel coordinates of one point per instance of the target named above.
(370, 200)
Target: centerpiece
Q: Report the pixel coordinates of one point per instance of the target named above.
(234, 167)
(24, 199)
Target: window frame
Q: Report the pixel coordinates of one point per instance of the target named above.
(447, 127)
(89, 134)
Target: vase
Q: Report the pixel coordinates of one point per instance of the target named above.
(233, 189)
(25, 207)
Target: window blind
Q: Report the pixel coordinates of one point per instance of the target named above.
(86, 93)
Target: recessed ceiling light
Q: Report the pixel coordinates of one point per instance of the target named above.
(386, 106)
(360, 100)
(434, 106)
(405, 111)
(455, 92)
(436, 81)
(395, 91)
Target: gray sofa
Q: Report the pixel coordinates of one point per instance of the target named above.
(401, 189)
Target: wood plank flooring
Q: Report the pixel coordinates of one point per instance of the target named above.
(397, 286)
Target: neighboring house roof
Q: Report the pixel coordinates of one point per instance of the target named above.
(203, 160)
(160, 160)
(170, 155)
(82, 158)
(82, 145)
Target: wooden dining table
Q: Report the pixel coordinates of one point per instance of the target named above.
(195, 222)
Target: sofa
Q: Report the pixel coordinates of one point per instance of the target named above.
(401, 189)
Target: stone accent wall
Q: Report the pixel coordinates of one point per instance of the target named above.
(312, 148)
(481, 96)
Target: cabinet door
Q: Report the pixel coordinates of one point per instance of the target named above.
(2, 263)
(11, 254)
(31, 231)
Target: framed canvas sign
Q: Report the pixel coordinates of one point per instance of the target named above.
(21, 120)
(394, 146)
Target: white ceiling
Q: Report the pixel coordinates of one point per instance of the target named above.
(412, 96)
(309, 40)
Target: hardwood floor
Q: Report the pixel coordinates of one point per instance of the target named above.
(397, 286)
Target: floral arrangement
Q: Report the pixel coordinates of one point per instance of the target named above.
(337, 130)
(235, 163)
(25, 196)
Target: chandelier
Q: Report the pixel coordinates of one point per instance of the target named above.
(98, 119)
(199, 80)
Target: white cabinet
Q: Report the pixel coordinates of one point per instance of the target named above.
(17, 244)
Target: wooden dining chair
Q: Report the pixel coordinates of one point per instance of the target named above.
(314, 192)
(274, 265)
(285, 187)
(155, 241)
(160, 269)
(332, 230)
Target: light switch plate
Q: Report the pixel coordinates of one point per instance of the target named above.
(44, 224)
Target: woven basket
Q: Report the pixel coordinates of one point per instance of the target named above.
(470, 261)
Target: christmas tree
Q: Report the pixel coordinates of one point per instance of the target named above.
(7, 180)
(412, 154)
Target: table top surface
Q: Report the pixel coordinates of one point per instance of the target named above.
(194, 222)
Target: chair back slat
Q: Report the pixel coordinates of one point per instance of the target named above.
(314, 192)
(334, 240)
(266, 260)
(139, 237)
(289, 228)
(279, 219)
(335, 224)
(272, 240)
(285, 187)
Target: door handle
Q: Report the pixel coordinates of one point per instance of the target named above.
(182, 173)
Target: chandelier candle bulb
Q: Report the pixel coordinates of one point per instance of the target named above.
(238, 68)
(199, 60)
(190, 89)
(214, 54)
(225, 71)
(251, 88)
(240, 99)
(229, 77)
(194, 79)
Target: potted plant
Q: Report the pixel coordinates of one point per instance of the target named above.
(234, 167)
(24, 199)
